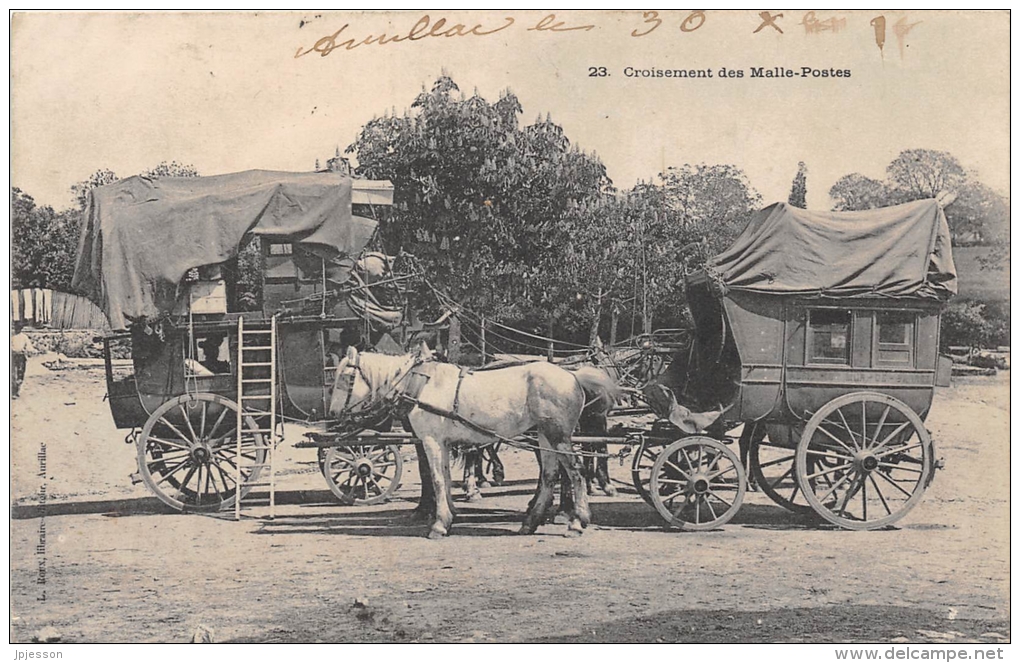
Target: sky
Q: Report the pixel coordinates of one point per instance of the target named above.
(226, 93)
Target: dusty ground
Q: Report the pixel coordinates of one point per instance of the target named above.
(117, 566)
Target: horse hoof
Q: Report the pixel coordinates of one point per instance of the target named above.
(525, 530)
(437, 532)
(610, 491)
(485, 484)
(561, 518)
(572, 533)
(474, 497)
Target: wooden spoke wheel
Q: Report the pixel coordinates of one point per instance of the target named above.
(363, 474)
(773, 470)
(641, 470)
(697, 483)
(187, 452)
(864, 460)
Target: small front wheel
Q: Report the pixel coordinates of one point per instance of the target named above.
(697, 483)
(363, 474)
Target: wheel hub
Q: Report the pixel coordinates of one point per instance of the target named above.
(865, 461)
(364, 468)
(201, 453)
(698, 484)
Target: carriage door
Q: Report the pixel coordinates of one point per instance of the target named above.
(301, 372)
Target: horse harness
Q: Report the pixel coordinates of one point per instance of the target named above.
(404, 397)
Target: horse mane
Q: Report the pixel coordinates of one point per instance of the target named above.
(381, 372)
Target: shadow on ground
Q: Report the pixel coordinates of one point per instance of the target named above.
(849, 623)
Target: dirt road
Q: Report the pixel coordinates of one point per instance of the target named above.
(102, 560)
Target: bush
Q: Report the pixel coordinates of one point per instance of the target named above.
(975, 324)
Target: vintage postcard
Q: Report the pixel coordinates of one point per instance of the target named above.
(511, 327)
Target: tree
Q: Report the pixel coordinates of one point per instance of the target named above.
(978, 215)
(692, 214)
(478, 199)
(856, 192)
(925, 173)
(798, 192)
(172, 169)
(44, 243)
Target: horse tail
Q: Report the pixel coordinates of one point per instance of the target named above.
(598, 386)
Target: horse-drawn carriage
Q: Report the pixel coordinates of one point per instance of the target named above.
(821, 331)
(816, 332)
(235, 293)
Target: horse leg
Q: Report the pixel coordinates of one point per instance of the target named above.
(602, 471)
(480, 467)
(563, 514)
(580, 514)
(426, 509)
(543, 498)
(498, 471)
(588, 469)
(440, 476)
(471, 455)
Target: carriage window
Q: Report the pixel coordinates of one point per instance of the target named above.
(280, 261)
(829, 336)
(895, 337)
(211, 356)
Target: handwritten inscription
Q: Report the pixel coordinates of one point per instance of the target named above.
(812, 24)
(694, 20)
(649, 22)
(551, 24)
(768, 21)
(423, 29)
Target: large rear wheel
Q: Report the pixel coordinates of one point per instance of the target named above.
(187, 452)
(864, 460)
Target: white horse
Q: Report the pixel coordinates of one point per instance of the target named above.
(507, 402)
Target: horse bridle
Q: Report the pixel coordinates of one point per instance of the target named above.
(377, 409)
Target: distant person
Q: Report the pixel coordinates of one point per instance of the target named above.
(21, 347)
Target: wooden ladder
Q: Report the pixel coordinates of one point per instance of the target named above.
(256, 369)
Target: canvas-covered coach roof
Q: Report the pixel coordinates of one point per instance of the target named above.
(141, 236)
(899, 252)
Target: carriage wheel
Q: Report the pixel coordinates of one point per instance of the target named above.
(641, 471)
(773, 469)
(363, 474)
(187, 452)
(869, 458)
(697, 483)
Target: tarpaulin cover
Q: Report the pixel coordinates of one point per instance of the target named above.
(141, 236)
(899, 252)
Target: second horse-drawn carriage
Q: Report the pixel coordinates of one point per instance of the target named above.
(239, 295)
